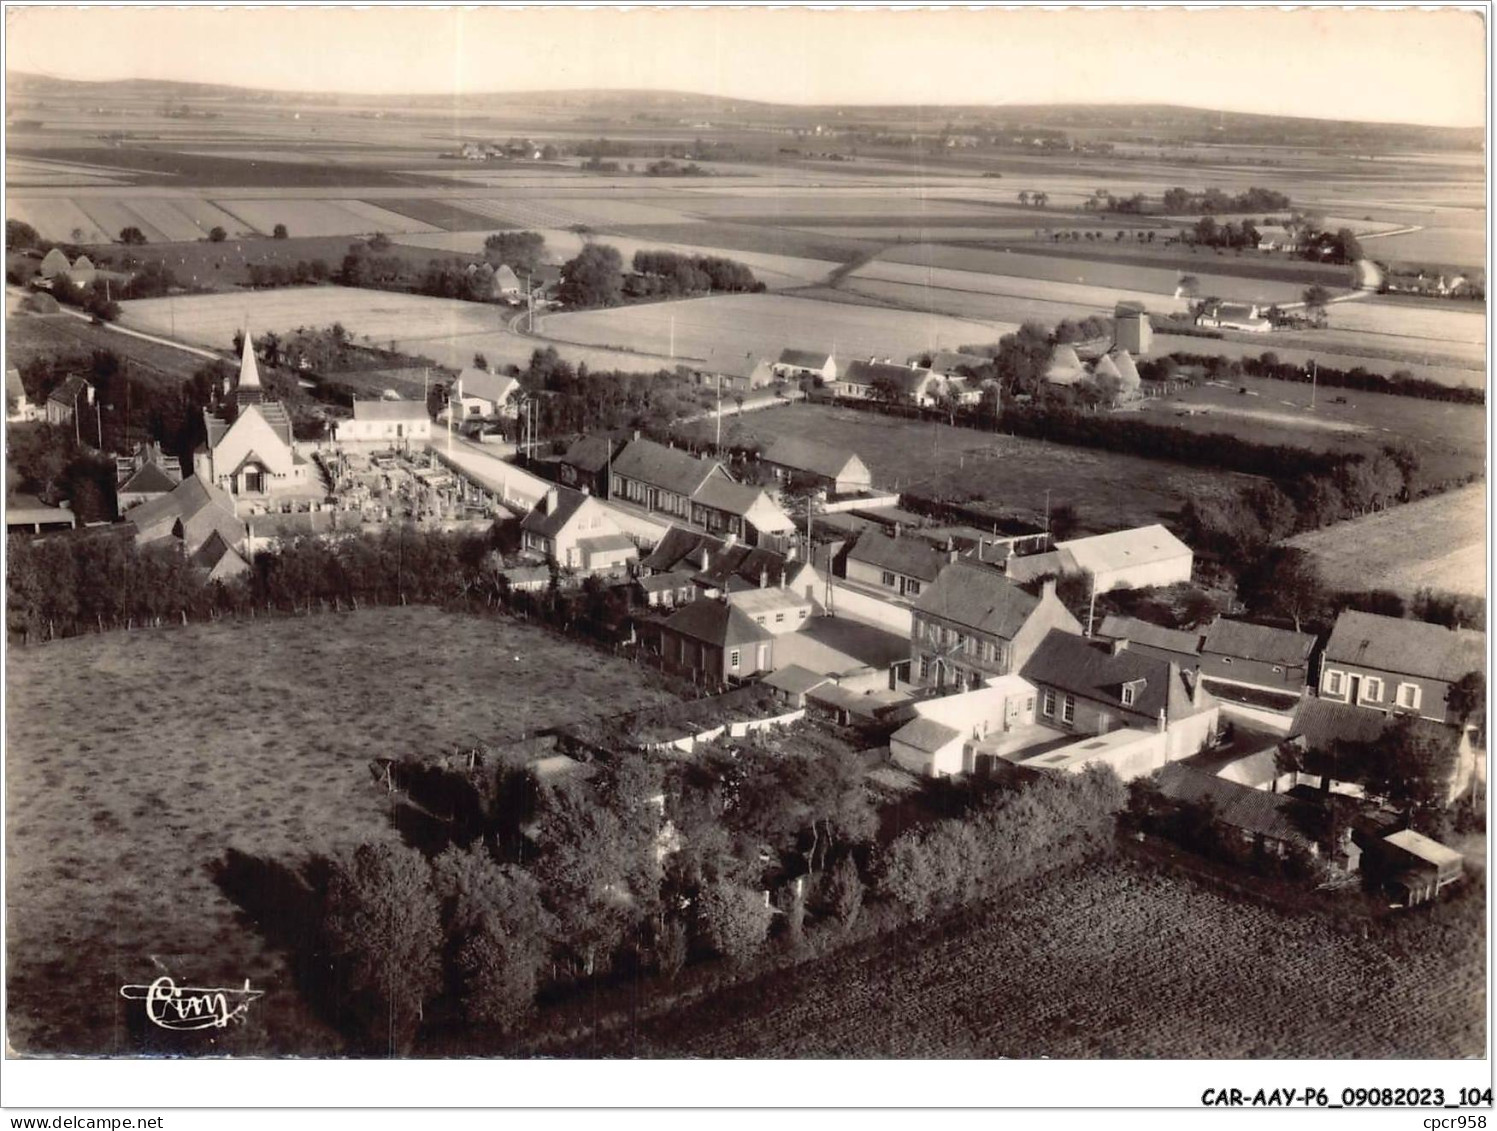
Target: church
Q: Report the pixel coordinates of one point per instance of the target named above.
(250, 452)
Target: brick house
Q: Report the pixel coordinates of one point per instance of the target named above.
(902, 566)
(1255, 655)
(1387, 664)
(712, 638)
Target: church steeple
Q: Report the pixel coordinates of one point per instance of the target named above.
(248, 390)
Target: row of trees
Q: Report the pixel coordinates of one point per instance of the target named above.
(523, 251)
(1208, 233)
(1214, 200)
(670, 273)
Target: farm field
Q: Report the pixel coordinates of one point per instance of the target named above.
(123, 794)
(1473, 374)
(1036, 977)
(945, 263)
(1437, 543)
(1108, 490)
(55, 335)
(1249, 265)
(1004, 310)
(734, 325)
(321, 217)
(1450, 439)
(1457, 328)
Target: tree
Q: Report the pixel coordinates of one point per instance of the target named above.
(593, 277)
(383, 928)
(524, 252)
(1467, 696)
(1041, 199)
(217, 234)
(132, 235)
(733, 919)
(1315, 299)
(1188, 286)
(844, 891)
(379, 242)
(1411, 764)
(1285, 582)
(278, 232)
(1024, 197)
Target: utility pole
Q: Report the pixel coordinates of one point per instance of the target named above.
(99, 424)
(1313, 375)
(719, 441)
(1091, 611)
(673, 343)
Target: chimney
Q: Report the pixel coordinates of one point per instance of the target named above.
(636, 433)
(1163, 723)
(951, 554)
(783, 577)
(763, 578)
(1114, 647)
(1047, 588)
(550, 500)
(1198, 691)
(898, 529)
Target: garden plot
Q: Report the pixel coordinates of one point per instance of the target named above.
(735, 325)
(57, 218)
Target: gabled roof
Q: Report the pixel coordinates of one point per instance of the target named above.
(926, 734)
(150, 479)
(716, 623)
(192, 511)
(69, 391)
(978, 597)
(905, 377)
(389, 410)
(794, 679)
(603, 543)
(486, 386)
(1092, 669)
(808, 455)
(721, 493)
(1277, 816)
(505, 277)
(1242, 640)
(213, 550)
(1320, 722)
(676, 470)
(736, 365)
(680, 544)
(1115, 627)
(1124, 548)
(737, 567)
(1410, 647)
(550, 522)
(667, 582)
(912, 557)
(591, 453)
(949, 361)
(1239, 311)
(804, 359)
(1426, 848)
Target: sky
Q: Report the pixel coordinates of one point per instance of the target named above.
(1373, 65)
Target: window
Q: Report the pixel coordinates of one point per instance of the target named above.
(1127, 694)
(924, 667)
(733, 659)
(1333, 683)
(888, 578)
(1409, 695)
(1068, 710)
(803, 614)
(1372, 690)
(759, 619)
(912, 588)
(1047, 704)
(779, 618)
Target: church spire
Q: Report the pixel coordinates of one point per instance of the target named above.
(249, 375)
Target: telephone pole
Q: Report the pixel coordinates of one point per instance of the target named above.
(1314, 373)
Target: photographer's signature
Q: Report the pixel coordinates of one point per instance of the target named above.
(184, 1008)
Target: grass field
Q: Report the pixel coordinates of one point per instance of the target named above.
(1340, 356)
(1437, 543)
(1451, 439)
(58, 335)
(126, 785)
(731, 326)
(1178, 971)
(1108, 490)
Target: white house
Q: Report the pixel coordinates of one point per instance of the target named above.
(577, 532)
(794, 364)
(481, 394)
(1234, 316)
(393, 422)
(935, 742)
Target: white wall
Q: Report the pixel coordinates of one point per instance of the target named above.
(1167, 572)
(856, 605)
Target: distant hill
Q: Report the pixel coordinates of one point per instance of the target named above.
(1163, 123)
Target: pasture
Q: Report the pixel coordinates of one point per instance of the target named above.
(125, 790)
(1010, 473)
(1437, 543)
(1342, 355)
(1179, 971)
(735, 325)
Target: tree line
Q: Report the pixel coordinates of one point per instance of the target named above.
(667, 274)
(1214, 200)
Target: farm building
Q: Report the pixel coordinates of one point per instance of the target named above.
(1096, 687)
(1233, 316)
(1132, 330)
(1389, 664)
(576, 532)
(1128, 559)
(388, 422)
(1172, 645)
(1256, 656)
(795, 364)
(481, 394)
(1417, 867)
(1272, 237)
(63, 402)
(1273, 823)
(884, 380)
(254, 458)
(27, 512)
(715, 640)
(834, 470)
(192, 512)
(792, 683)
(973, 623)
(506, 282)
(903, 566)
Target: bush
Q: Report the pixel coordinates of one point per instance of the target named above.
(733, 920)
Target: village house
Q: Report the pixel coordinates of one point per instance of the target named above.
(1097, 687)
(973, 623)
(145, 474)
(1173, 645)
(1233, 316)
(875, 380)
(1273, 237)
(64, 401)
(584, 467)
(254, 458)
(1255, 656)
(736, 374)
(697, 492)
(712, 639)
(576, 532)
(479, 394)
(954, 369)
(836, 471)
(1386, 664)
(775, 590)
(940, 740)
(506, 282)
(795, 364)
(192, 512)
(386, 422)
(902, 566)
(1276, 824)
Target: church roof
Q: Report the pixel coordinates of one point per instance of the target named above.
(249, 374)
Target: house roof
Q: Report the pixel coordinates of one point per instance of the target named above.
(906, 377)
(676, 470)
(1124, 548)
(1410, 647)
(150, 479)
(389, 410)
(187, 502)
(794, 679)
(1092, 669)
(504, 276)
(1320, 722)
(1235, 310)
(486, 386)
(804, 359)
(548, 522)
(679, 544)
(69, 391)
(665, 582)
(716, 623)
(603, 543)
(740, 567)
(978, 597)
(926, 734)
(771, 599)
(949, 361)
(721, 493)
(807, 455)
(1129, 309)
(1115, 627)
(21, 509)
(735, 365)
(1425, 848)
(1242, 640)
(591, 453)
(1276, 816)
(912, 557)
(213, 550)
